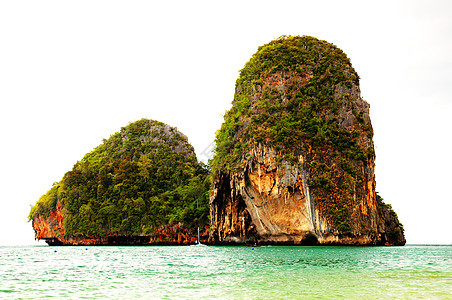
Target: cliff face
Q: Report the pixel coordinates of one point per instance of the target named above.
(51, 229)
(267, 203)
(50, 226)
(390, 230)
(143, 185)
(295, 158)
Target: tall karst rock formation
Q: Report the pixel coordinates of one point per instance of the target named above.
(294, 158)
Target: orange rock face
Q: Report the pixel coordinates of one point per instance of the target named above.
(50, 227)
(51, 230)
(272, 204)
(269, 204)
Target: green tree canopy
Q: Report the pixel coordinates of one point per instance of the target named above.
(142, 177)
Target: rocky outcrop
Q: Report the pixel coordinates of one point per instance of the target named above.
(50, 227)
(390, 230)
(295, 158)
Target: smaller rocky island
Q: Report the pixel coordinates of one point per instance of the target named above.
(141, 186)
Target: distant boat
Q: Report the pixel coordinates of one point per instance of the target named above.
(199, 242)
(253, 244)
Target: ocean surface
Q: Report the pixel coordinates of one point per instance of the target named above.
(211, 272)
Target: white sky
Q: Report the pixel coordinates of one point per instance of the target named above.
(73, 73)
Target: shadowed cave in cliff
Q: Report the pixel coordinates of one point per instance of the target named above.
(309, 240)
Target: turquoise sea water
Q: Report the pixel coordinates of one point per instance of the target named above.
(198, 272)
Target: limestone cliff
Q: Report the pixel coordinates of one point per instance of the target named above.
(294, 158)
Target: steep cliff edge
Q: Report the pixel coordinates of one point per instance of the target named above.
(143, 185)
(294, 158)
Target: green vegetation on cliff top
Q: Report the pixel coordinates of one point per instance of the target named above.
(142, 177)
(304, 108)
